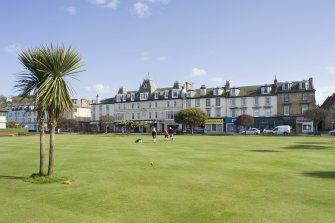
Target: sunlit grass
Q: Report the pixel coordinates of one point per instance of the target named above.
(190, 179)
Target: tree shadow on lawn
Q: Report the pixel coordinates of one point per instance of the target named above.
(308, 147)
(321, 174)
(265, 151)
(304, 143)
(12, 177)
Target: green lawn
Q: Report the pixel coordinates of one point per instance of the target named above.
(194, 179)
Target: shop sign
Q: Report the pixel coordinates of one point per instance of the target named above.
(214, 121)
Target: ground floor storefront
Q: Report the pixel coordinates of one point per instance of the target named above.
(214, 125)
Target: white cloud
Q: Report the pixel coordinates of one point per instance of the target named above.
(112, 4)
(141, 10)
(323, 92)
(100, 89)
(13, 48)
(330, 69)
(216, 79)
(98, 2)
(198, 72)
(71, 10)
(159, 1)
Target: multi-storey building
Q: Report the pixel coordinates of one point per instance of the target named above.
(329, 105)
(3, 119)
(26, 115)
(150, 105)
(224, 104)
(157, 106)
(293, 99)
(17, 113)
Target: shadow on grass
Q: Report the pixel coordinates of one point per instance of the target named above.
(265, 151)
(12, 177)
(321, 174)
(313, 143)
(308, 147)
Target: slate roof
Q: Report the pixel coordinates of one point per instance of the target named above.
(244, 91)
(329, 102)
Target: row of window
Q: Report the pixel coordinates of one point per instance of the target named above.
(209, 111)
(138, 105)
(216, 92)
(286, 108)
(145, 95)
(302, 86)
(233, 102)
(304, 97)
(137, 115)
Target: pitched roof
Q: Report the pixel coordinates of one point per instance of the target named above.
(329, 102)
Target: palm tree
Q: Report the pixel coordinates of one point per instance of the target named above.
(59, 64)
(29, 82)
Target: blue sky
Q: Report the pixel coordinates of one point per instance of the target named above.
(201, 41)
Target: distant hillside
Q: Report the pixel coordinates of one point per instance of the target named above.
(15, 100)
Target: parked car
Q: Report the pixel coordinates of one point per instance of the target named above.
(251, 131)
(187, 131)
(332, 132)
(281, 130)
(199, 131)
(267, 131)
(178, 132)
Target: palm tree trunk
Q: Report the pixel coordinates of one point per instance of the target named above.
(52, 127)
(42, 140)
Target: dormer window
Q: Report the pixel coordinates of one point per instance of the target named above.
(166, 94)
(234, 92)
(175, 93)
(156, 95)
(287, 86)
(189, 94)
(132, 96)
(124, 97)
(303, 85)
(217, 91)
(266, 90)
(118, 97)
(203, 90)
(144, 96)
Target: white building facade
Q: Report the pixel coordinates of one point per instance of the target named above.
(27, 117)
(157, 106)
(3, 118)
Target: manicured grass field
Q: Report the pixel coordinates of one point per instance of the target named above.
(193, 179)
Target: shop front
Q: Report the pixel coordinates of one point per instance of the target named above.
(214, 125)
(304, 124)
(229, 125)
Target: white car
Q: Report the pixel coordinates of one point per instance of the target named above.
(332, 132)
(267, 131)
(252, 131)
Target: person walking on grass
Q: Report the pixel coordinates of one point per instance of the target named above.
(154, 134)
(171, 133)
(166, 135)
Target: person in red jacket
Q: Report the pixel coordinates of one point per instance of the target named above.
(166, 135)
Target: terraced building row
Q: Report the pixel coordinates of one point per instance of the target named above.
(270, 104)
